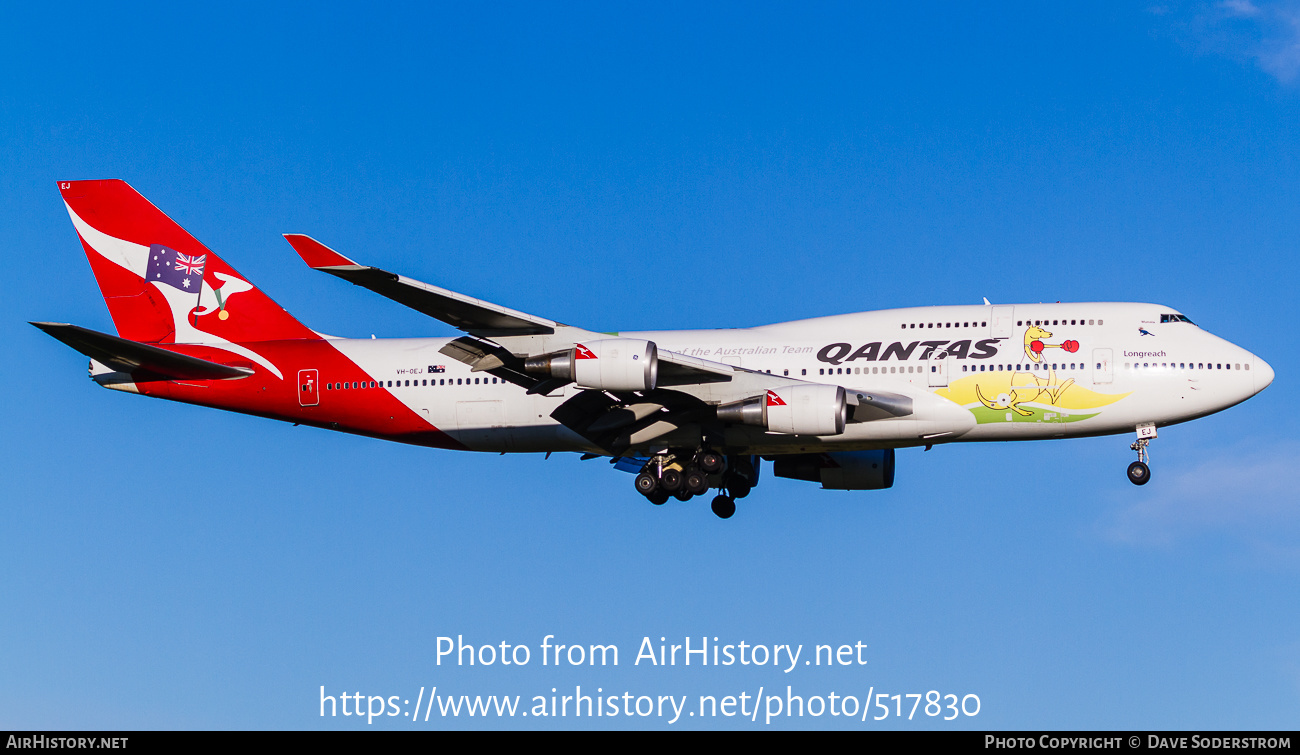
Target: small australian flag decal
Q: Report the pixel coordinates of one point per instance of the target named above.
(176, 269)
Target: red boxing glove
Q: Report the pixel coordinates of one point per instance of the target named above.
(1037, 347)
(1070, 346)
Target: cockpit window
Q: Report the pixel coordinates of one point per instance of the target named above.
(1176, 318)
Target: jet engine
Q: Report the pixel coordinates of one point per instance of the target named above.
(807, 409)
(840, 470)
(611, 364)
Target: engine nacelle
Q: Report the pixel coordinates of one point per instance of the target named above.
(616, 364)
(611, 364)
(806, 409)
(840, 470)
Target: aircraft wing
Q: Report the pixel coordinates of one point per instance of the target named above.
(471, 315)
(688, 393)
(500, 341)
(617, 421)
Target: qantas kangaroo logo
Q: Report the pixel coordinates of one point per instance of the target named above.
(181, 282)
(185, 274)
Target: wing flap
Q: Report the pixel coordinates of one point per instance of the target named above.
(490, 357)
(618, 422)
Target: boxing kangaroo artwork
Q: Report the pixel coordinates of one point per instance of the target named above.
(1010, 389)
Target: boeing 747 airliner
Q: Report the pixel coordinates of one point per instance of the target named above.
(825, 400)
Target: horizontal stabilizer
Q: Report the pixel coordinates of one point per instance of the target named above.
(130, 356)
(470, 315)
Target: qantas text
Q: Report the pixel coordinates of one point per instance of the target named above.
(839, 353)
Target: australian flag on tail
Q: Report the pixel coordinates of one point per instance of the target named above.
(176, 269)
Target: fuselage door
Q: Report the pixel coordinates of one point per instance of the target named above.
(937, 369)
(308, 387)
(1004, 322)
(1103, 371)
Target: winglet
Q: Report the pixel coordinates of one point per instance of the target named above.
(316, 254)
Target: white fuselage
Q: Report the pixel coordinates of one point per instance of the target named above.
(1017, 372)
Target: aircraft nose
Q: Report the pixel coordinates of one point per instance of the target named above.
(1263, 374)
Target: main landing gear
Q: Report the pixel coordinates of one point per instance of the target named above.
(683, 475)
(1138, 472)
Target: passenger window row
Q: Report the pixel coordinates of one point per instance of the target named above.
(1187, 366)
(870, 370)
(892, 370)
(971, 324)
(910, 369)
(1024, 367)
(425, 383)
(349, 386)
(1019, 323)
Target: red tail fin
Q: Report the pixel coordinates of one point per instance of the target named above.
(161, 285)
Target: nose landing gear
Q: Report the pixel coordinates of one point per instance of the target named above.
(1138, 472)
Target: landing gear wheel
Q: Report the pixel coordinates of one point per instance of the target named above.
(646, 483)
(671, 480)
(683, 495)
(710, 462)
(1139, 473)
(696, 483)
(723, 506)
(659, 497)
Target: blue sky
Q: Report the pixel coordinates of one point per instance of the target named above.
(653, 167)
